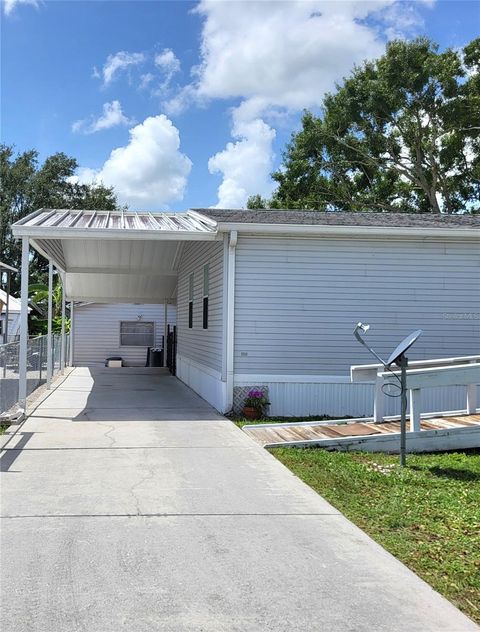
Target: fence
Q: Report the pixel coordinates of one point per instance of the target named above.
(36, 366)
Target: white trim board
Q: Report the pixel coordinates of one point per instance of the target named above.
(245, 379)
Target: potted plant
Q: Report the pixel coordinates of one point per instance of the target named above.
(255, 404)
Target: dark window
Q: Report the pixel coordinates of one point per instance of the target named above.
(205, 312)
(190, 301)
(206, 287)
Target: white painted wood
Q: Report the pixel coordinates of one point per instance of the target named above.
(203, 346)
(424, 441)
(297, 301)
(22, 368)
(96, 332)
(472, 390)
(442, 376)
(415, 409)
(49, 325)
(368, 372)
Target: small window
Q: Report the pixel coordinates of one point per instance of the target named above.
(206, 283)
(190, 301)
(137, 334)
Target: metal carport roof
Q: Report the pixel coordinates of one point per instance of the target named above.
(115, 256)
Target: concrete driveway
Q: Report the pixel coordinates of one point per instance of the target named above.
(128, 503)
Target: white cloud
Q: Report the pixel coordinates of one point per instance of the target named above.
(285, 53)
(277, 56)
(10, 5)
(111, 117)
(244, 164)
(168, 64)
(271, 55)
(148, 172)
(167, 61)
(117, 63)
(145, 80)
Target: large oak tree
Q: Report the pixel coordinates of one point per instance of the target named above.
(401, 133)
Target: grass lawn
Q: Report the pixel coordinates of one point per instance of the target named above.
(427, 515)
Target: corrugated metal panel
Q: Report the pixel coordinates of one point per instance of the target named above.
(202, 345)
(297, 300)
(106, 220)
(97, 331)
(355, 400)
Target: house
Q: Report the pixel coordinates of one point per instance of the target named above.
(14, 309)
(270, 298)
(126, 330)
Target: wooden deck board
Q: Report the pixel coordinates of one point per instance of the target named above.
(282, 433)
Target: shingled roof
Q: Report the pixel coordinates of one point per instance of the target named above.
(319, 218)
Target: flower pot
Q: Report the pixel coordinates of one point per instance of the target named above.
(251, 413)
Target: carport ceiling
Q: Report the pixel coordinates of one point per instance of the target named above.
(115, 257)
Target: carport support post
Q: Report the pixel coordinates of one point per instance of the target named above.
(62, 331)
(49, 325)
(22, 361)
(70, 348)
(165, 332)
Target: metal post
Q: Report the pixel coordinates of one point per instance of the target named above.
(403, 362)
(7, 308)
(62, 330)
(22, 371)
(49, 325)
(165, 331)
(70, 355)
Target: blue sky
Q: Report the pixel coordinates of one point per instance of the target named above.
(195, 100)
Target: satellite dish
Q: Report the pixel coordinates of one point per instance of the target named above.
(398, 357)
(403, 346)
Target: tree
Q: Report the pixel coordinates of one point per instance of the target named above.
(38, 299)
(26, 187)
(401, 134)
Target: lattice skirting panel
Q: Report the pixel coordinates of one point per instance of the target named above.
(241, 392)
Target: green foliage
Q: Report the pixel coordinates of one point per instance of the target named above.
(38, 299)
(400, 134)
(256, 399)
(425, 514)
(27, 186)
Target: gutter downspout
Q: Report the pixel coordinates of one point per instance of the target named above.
(230, 320)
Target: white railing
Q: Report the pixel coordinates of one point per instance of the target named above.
(439, 372)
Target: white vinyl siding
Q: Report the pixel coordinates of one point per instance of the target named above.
(297, 301)
(97, 331)
(203, 346)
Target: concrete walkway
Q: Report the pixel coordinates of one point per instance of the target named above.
(128, 503)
